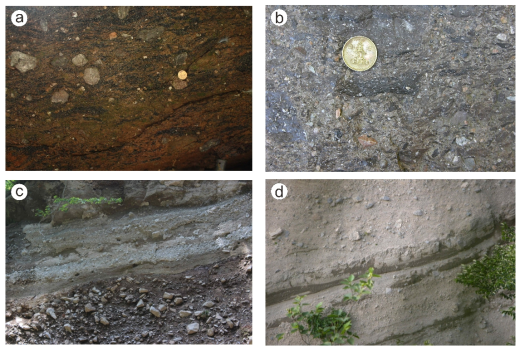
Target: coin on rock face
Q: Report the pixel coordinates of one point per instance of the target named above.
(359, 53)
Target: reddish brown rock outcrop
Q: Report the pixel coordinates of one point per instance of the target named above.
(133, 118)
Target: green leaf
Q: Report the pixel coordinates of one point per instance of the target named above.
(494, 273)
(334, 327)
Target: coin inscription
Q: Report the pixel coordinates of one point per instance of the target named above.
(359, 53)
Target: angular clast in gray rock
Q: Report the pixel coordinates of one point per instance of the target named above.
(60, 96)
(180, 59)
(184, 314)
(167, 296)
(192, 328)
(89, 308)
(91, 75)
(59, 62)
(149, 34)
(209, 304)
(23, 62)
(123, 11)
(154, 311)
(79, 60)
(51, 312)
(470, 163)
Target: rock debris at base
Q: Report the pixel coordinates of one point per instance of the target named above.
(119, 321)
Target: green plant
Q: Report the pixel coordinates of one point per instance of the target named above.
(205, 314)
(66, 202)
(9, 184)
(43, 213)
(332, 328)
(495, 273)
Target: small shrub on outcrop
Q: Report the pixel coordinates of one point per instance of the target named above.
(66, 202)
(495, 273)
(9, 184)
(332, 328)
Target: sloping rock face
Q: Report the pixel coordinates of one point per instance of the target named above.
(126, 107)
(161, 227)
(415, 233)
(441, 96)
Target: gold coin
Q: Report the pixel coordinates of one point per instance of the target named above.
(182, 75)
(359, 53)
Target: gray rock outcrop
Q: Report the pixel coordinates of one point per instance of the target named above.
(418, 257)
(167, 226)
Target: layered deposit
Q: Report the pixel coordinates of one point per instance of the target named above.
(102, 88)
(416, 234)
(172, 254)
(440, 97)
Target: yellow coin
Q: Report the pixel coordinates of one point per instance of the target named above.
(359, 53)
(182, 75)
